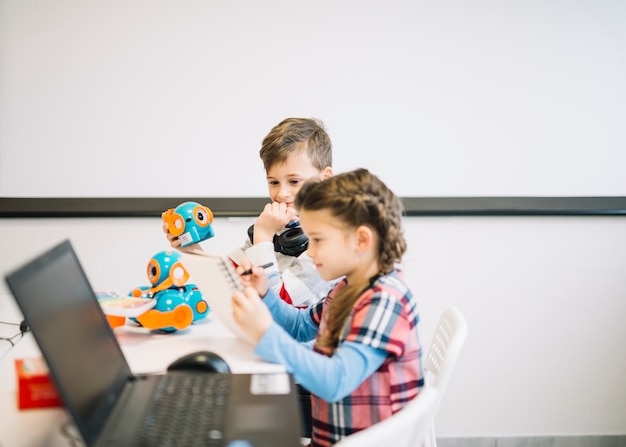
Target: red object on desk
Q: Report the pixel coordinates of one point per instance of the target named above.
(35, 389)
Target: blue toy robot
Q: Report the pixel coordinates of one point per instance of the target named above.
(179, 303)
(190, 222)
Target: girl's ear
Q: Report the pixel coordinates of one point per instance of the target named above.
(364, 237)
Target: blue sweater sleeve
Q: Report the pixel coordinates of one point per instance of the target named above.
(330, 378)
(296, 322)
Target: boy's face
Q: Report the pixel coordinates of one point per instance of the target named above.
(284, 180)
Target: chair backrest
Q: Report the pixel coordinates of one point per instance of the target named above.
(413, 425)
(409, 427)
(445, 348)
(442, 355)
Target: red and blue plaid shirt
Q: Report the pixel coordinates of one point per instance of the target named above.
(384, 317)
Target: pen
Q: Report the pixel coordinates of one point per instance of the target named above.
(264, 266)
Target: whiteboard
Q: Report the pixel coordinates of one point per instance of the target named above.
(440, 99)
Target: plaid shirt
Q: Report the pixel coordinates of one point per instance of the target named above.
(384, 317)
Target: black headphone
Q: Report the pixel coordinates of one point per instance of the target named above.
(291, 242)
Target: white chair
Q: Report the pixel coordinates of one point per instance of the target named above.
(409, 427)
(413, 425)
(442, 355)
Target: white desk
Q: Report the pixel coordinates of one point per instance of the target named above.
(144, 351)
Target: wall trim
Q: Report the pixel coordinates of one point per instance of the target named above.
(252, 206)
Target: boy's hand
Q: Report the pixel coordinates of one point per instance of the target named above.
(175, 242)
(250, 313)
(272, 219)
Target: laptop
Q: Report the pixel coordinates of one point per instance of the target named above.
(111, 406)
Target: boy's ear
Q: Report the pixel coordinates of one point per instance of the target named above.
(327, 172)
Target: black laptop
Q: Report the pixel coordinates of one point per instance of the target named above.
(110, 405)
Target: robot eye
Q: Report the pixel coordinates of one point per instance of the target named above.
(202, 216)
(178, 274)
(176, 224)
(154, 271)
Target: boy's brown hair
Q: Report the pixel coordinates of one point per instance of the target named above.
(297, 134)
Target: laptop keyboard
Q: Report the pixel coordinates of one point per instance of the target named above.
(196, 419)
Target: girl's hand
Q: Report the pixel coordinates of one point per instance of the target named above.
(250, 313)
(256, 278)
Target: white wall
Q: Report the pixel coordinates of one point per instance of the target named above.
(444, 98)
(545, 299)
(477, 98)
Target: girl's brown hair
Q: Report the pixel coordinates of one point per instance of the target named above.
(356, 198)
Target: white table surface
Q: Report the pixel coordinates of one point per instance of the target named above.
(145, 352)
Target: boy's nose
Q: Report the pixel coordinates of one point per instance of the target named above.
(285, 191)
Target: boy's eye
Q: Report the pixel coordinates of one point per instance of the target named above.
(294, 181)
(273, 182)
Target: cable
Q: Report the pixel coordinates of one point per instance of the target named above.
(23, 329)
(23, 325)
(13, 339)
(12, 324)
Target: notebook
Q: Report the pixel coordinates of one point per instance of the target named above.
(215, 276)
(110, 405)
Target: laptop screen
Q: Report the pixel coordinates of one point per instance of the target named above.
(85, 361)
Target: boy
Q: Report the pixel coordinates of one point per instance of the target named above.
(294, 151)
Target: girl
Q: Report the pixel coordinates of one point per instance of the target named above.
(365, 364)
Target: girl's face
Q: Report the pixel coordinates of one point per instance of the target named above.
(332, 246)
(284, 180)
